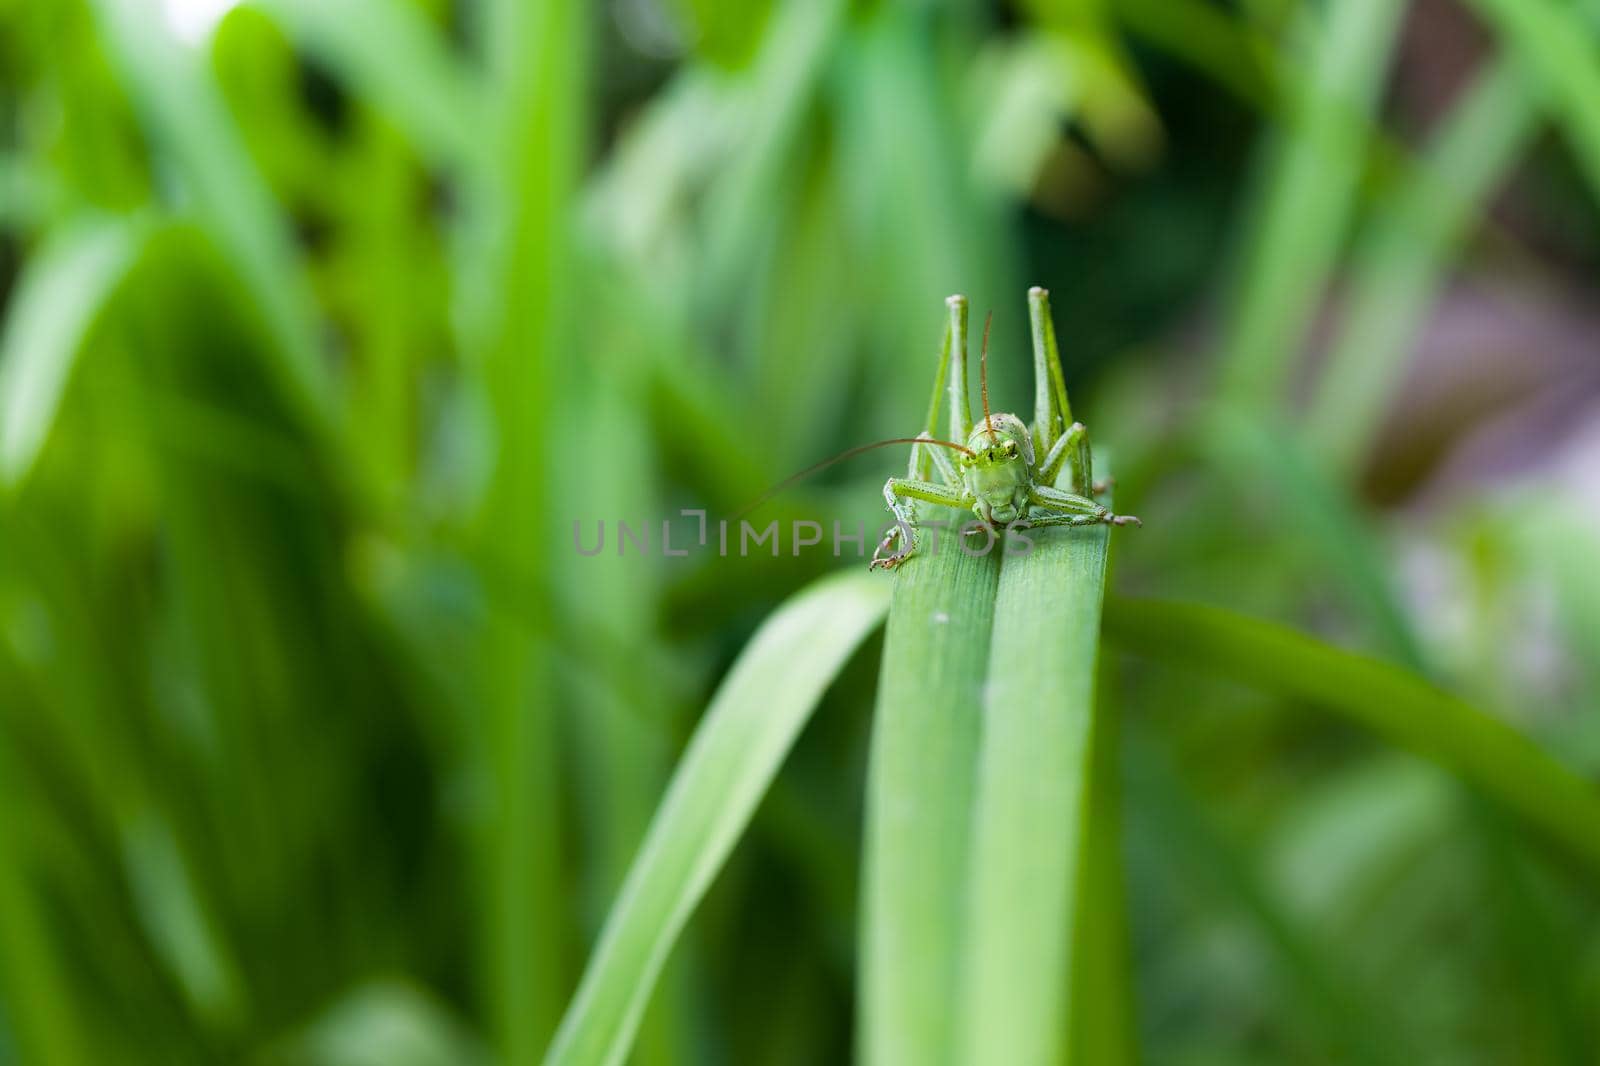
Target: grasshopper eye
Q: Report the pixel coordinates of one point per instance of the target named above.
(1011, 448)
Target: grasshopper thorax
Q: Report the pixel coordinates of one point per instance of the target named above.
(999, 471)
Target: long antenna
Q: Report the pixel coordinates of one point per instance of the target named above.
(841, 457)
(983, 376)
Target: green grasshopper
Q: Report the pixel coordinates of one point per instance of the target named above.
(995, 475)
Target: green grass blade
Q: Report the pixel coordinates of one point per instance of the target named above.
(1533, 935)
(1398, 706)
(187, 118)
(1351, 1027)
(180, 926)
(1555, 540)
(399, 62)
(1211, 39)
(781, 85)
(736, 751)
(517, 299)
(1311, 190)
(1400, 265)
(1032, 799)
(1262, 451)
(42, 1002)
(1102, 1027)
(920, 789)
(1557, 44)
(59, 296)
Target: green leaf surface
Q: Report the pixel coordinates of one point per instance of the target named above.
(920, 789)
(517, 306)
(187, 119)
(734, 755)
(1398, 706)
(43, 1002)
(58, 298)
(1031, 798)
(1345, 1021)
(781, 84)
(980, 837)
(1310, 190)
(1557, 44)
(399, 62)
(1102, 1026)
(1261, 451)
(1400, 264)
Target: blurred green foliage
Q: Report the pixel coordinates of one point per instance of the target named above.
(325, 321)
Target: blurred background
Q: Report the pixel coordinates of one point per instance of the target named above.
(324, 322)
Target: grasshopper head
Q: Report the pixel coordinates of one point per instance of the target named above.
(999, 471)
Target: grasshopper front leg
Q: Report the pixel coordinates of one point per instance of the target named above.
(1073, 510)
(900, 493)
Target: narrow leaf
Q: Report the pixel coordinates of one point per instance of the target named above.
(516, 299)
(1031, 801)
(919, 802)
(1349, 1024)
(183, 110)
(1401, 263)
(1102, 1027)
(1557, 44)
(400, 63)
(1311, 190)
(60, 294)
(1396, 705)
(44, 998)
(734, 755)
(1261, 451)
